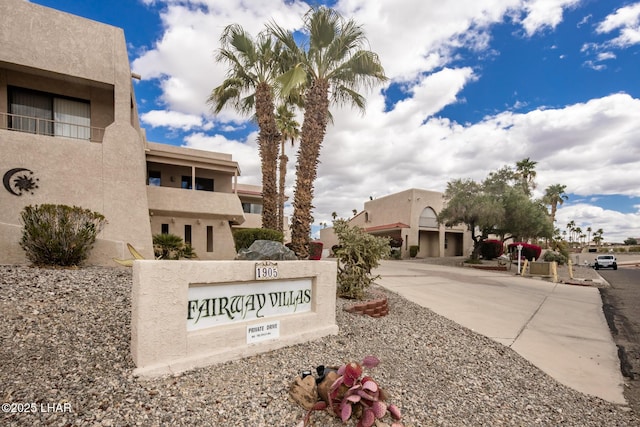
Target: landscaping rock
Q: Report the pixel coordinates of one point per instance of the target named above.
(266, 250)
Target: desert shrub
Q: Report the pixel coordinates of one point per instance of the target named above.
(169, 246)
(244, 237)
(490, 249)
(59, 235)
(529, 251)
(634, 249)
(550, 256)
(358, 253)
(413, 250)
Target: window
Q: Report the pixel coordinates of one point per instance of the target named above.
(203, 184)
(48, 114)
(186, 182)
(209, 238)
(251, 208)
(154, 178)
(187, 234)
(165, 229)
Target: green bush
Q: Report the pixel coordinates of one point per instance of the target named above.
(550, 256)
(634, 249)
(244, 237)
(358, 253)
(413, 250)
(59, 235)
(171, 247)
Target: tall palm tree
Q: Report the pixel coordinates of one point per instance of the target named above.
(329, 68)
(589, 230)
(554, 195)
(253, 68)
(289, 131)
(526, 171)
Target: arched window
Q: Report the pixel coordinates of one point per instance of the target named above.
(428, 218)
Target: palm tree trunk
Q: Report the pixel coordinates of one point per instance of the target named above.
(313, 130)
(283, 173)
(268, 139)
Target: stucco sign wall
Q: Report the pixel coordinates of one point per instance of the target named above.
(188, 314)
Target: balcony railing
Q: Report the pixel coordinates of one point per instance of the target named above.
(39, 126)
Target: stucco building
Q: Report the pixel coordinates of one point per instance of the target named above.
(70, 134)
(411, 216)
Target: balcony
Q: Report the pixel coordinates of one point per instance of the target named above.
(170, 201)
(53, 128)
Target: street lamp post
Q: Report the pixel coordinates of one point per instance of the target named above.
(519, 247)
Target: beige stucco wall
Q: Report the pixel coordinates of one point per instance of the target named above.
(160, 342)
(68, 55)
(405, 207)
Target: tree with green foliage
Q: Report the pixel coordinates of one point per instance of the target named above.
(329, 68)
(631, 241)
(254, 65)
(468, 203)
(499, 205)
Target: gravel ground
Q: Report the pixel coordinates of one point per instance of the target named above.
(65, 343)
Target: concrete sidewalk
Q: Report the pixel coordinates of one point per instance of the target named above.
(559, 328)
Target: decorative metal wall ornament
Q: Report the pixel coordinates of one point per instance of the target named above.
(19, 184)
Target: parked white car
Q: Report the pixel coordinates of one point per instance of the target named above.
(606, 261)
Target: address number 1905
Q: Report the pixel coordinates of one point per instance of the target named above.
(266, 270)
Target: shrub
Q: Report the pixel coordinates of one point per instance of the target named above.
(550, 256)
(244, 237)
(413, 250)
(529, 251)
(634, 249)
(490, 249)
(58, 234)
(358, 254)
(169, 246)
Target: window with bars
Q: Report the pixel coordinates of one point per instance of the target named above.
(47, 114)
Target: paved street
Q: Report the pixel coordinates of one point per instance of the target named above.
(622, 309)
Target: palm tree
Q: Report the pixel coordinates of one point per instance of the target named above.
(253, 68)
(525, 170)
(289, 131)
(571, 226)
(329, 68)
(554, 195)
(597, 236)
(589, 230)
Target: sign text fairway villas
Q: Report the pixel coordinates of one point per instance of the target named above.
(213, 305)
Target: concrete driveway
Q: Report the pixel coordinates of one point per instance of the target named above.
(559, 328)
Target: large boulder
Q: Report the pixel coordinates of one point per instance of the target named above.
(266, 250)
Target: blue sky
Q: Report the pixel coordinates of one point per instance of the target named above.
(473, 87)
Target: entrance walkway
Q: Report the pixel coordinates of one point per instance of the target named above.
(559, 328)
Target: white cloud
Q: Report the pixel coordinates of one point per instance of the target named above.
(171, 120)
(542, 14)
(591, 147)
(625, 19)
(617, 226)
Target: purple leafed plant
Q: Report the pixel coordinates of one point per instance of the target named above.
(354, 396)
